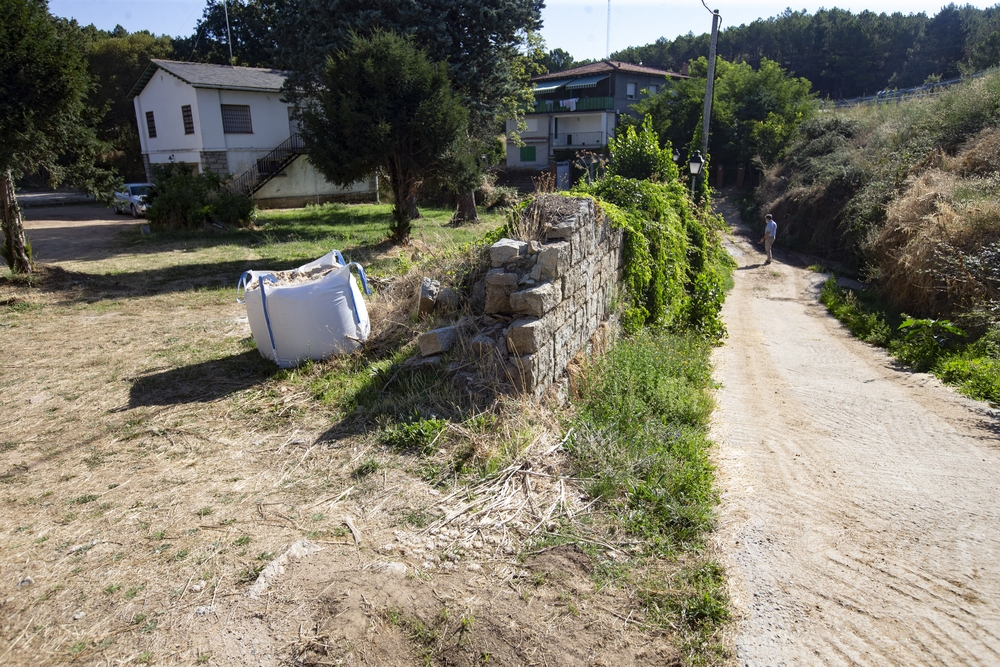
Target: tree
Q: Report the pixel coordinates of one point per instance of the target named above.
(481, 41)
(115, 62)
(557, 60)
(756, 112)
(251, 24)
(43, 89)
(383, 105)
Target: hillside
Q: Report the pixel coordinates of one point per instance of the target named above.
(906, 196)
(848, 55)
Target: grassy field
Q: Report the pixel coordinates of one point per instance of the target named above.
(154, 464)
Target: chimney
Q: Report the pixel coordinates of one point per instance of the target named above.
(684, 69)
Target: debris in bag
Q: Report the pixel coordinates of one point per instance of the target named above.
(312, 312)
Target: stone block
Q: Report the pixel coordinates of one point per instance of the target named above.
(501, 278)
(437, 341)
(528, 335)
(447, 301)
(483, 345)
(562, 228)
(535, 301)
(499, 286)
(428, 295)
(506, 250)
(554, 260)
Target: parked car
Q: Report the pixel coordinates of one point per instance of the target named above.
(132, 198)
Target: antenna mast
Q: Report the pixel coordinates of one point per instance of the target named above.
(608, 48)
(229, 34)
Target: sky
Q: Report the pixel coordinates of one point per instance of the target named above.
(577, 26)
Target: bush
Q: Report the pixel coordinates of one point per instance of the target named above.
(181, 199)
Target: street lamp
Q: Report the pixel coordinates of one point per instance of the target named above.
(695, 165)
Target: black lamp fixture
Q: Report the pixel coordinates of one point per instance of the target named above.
(695, 165)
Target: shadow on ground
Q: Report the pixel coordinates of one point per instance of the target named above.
(202, 382)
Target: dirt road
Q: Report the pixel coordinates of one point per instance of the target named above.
(81, 232)
(860, 521)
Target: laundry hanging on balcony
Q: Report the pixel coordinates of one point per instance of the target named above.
(312, 312)
(570, 103)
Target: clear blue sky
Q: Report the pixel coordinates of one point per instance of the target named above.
(577, 26)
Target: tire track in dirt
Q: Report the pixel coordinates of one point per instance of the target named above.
(860, 521)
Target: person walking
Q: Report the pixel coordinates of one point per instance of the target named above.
(770, 231)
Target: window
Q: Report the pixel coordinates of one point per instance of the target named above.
(188, 119)
(527, 153)
(150, 125)
(654, 89)
(630, 89)
(236, 119)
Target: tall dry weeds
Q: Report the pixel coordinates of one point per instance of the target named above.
(937, 221)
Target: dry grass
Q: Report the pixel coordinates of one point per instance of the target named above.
(153, 463)
(940, 217)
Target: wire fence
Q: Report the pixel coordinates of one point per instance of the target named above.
(898, 95)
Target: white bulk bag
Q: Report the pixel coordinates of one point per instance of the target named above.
(312, 312)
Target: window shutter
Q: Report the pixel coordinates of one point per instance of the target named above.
(527, 153)
(188, 119)
(150, 125)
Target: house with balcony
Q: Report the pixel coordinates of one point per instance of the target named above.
(579, 109)
(231, 121)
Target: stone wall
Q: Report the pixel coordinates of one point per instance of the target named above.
(215, 162)
(543, 300)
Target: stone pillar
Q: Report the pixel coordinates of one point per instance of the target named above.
(148, 166)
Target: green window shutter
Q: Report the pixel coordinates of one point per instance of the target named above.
(527, 153)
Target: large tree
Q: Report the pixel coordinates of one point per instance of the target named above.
(756, 113)
(115, 62)
(383, 106)
(43, 91)
(481, 41)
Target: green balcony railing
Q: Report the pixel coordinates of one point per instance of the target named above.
(582, 104)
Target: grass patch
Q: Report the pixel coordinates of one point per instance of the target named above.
(973, 366)
(641, 438)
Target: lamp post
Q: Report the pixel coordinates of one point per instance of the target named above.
(695, 165)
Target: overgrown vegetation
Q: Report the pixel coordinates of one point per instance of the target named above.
(181, 199)
(640, 437)
(907, 196)
(674, 267)
(926, 344)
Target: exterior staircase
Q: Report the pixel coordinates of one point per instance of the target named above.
(269, 166)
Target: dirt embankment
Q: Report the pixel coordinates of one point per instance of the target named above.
(860, 520)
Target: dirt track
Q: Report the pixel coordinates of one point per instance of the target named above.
(80, 232)
(860, 521)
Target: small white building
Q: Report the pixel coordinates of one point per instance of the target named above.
(231, 121)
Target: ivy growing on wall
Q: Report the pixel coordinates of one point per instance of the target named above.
(674, 267)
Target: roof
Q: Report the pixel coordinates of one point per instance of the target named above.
(606, 67)
(207, 75)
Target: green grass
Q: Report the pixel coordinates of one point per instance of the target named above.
(973, 366)
(641, 437)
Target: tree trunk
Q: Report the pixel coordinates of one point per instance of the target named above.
(466, 211)
(411, 206)
(15, 246)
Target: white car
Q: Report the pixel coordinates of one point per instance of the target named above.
(132, 198)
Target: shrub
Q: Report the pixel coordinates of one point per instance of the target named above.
(181, 199)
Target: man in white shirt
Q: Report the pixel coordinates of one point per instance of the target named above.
(770, 231)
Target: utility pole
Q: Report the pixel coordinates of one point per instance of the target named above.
(710, 82)
(607, 49)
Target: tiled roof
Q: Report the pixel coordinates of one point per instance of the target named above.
(605, 66)
(206, 75)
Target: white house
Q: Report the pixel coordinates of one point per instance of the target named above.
(579, 108)
(231, 121)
